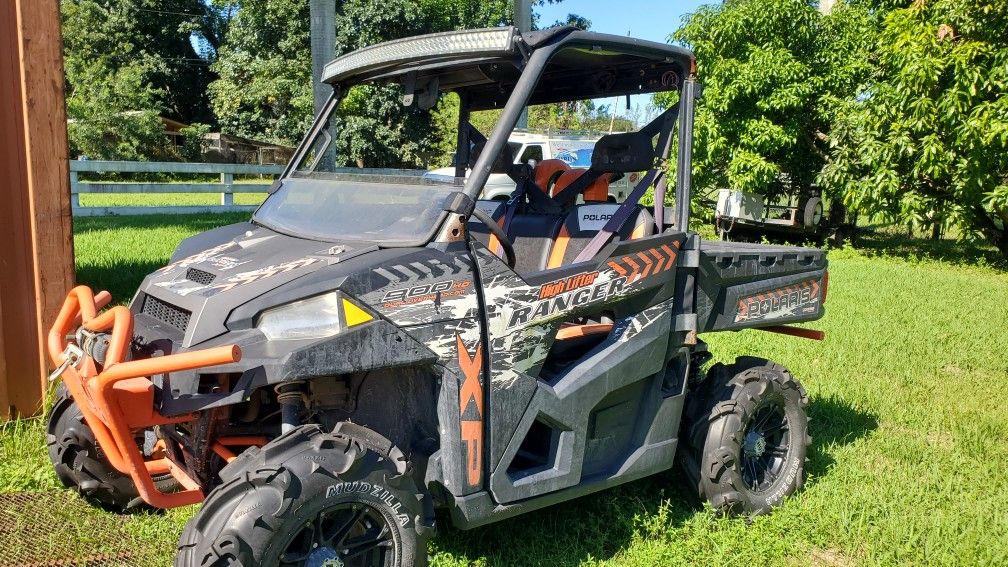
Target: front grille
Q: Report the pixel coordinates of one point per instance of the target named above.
(166, 313)
(199, 276)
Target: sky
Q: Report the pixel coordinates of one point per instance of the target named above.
(646, 19)
(654, 20)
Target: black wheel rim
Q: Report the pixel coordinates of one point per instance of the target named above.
(765, 443)
(345, 535)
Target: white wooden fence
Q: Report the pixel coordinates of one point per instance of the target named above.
(226, 188)
(262, 177)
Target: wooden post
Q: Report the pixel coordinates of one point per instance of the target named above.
(36, 256)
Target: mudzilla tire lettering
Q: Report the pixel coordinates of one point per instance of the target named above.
(745, 438)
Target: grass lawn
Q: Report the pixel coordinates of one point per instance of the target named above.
(909, 462)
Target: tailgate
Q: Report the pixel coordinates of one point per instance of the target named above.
(742, 285)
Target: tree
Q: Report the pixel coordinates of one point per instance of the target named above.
(263, 89)
(773, 73)
(112, 107)
(129, 62)
(927, 143)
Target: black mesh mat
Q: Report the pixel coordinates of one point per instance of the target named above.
(56, 529)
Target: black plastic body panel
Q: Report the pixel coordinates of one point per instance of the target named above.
(743, 285)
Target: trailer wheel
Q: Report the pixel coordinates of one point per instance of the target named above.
(746, 436)
(812, 212)
(81, 465)
(312, 498)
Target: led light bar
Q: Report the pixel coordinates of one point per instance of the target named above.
(486, 42)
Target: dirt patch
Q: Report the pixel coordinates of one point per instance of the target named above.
(829, 558)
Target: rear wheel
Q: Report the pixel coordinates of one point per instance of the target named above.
(746, 436)
(80, 463)
(312, 498)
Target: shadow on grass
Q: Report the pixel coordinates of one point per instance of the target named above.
(833, 422)
(600, 525)
(121, 280)
(889, 242)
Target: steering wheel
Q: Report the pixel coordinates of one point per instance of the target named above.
(498, 232)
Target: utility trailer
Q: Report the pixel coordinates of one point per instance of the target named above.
(740, 215)
(367, 349)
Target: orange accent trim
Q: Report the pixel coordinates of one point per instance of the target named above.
(635, 269)
(494, 244)
(471, 430)
(575, 331)
(638, 231)
(647, 263)
(619, 269)
(671, 254)
(104, 396)
(659, 257)
(559, 248)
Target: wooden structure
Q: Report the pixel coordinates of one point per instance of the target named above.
(36, 241)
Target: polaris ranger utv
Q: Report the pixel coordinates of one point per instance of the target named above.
(369, 348)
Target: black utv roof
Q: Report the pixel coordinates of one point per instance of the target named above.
(486, 64)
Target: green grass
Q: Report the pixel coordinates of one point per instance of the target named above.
(909, 462)
(164, 199)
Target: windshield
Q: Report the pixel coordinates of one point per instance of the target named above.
(322, 201)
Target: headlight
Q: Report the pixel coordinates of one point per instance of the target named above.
(312, 318)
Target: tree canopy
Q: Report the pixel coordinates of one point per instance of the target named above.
(927, 142)
(129, 62)
(771, 77)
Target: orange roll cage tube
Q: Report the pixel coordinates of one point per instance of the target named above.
(118, 399)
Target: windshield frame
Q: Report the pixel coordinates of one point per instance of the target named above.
(531, 71)
(532, 66)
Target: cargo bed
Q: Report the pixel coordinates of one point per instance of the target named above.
(744, 285)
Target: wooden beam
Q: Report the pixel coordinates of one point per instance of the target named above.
(36, 259)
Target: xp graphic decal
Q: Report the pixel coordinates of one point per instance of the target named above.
(471, 410)
(783, 302)
(209, 255)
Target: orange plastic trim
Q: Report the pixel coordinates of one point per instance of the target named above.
(559, 248)
(547, 172)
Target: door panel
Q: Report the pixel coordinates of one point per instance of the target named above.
(538, 426)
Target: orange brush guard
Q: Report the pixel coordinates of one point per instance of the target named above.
(118, 401)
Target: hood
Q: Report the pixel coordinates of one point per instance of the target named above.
(214, 272)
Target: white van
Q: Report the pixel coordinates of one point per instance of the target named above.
(532, 147)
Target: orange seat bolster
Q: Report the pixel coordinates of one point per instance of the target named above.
(577, 331)
(548, 171)
(598, 191)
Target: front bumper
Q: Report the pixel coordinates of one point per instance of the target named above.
(117, 397)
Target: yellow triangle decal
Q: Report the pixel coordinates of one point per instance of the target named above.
(354, 315)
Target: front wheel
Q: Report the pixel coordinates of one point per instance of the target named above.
(312, 498)
(81, 465)
(746, 436)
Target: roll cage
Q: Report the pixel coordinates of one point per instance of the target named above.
(503, 68)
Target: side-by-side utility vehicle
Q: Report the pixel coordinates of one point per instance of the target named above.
(369, 348)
